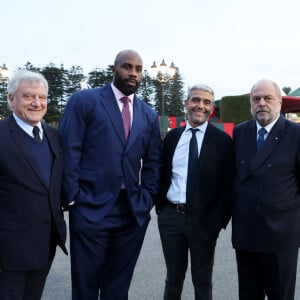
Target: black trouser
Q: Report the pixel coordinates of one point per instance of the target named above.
(178, 236)
(267, 274)
(23, 285)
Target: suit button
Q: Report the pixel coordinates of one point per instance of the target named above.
(257, 208)
(243, 162)
(269, 165)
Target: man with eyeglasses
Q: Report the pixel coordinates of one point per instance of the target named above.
(31, 218)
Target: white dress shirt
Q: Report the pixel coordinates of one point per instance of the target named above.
(177, 191)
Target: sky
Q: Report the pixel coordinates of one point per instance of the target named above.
(226, 44)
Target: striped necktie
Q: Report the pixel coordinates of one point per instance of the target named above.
(126, 116)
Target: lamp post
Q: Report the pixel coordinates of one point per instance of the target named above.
(3, 91)
(84, 85)
(3, 73)
(163, 74)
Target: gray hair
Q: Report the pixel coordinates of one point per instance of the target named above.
(201, 87)
(28, 76)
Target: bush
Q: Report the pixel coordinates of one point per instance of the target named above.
(235, 109)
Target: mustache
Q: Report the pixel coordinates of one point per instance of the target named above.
(262, 110)
(131, 80)
(198, 109)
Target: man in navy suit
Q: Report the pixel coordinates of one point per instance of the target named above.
(194, 201)
(111, 173)
(266, 209)
(31, 218)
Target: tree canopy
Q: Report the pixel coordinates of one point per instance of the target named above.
(63, 82)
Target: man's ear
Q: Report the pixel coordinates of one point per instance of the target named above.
(10, 98)
(186, 103)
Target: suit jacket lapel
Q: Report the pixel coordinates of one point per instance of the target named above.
(56, 151)
(274, 138)
(54, 147)
(138, 116)
(174, 142)
(20, 139)
(110, 105)
(138, 120)
(208, 139)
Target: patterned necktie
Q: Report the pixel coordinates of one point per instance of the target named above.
(192, 165)
(261, 138)
(36, 134)
(126, 116)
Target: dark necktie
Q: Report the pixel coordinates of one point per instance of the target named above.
(261, 137)
(126, 116)
(192, 165)
(36, 134)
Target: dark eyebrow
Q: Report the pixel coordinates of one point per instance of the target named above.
(200, 99)
(131, 65)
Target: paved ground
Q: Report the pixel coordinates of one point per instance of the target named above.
(149, 276)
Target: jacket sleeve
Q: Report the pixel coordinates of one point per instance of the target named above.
(72, 129)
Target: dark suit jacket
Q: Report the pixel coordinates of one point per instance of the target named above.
(213, 194)
(26, 204)
(266, 211)
(97, 158)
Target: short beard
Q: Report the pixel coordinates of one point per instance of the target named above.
(123, 87)
(263, 121)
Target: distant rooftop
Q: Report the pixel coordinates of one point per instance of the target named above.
(295, 93)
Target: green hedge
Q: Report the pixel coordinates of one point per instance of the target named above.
(235, 109)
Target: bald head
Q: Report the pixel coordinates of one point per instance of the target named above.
(264, 83)
(127, 69)
(125, 54)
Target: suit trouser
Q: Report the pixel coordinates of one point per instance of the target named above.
(267, 274)
(178, 236)
(104, 254)
(23, 285)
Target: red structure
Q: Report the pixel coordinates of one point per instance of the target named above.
(290, 104)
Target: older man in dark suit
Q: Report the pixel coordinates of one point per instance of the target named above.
(266, 210)
(31, 218)
(194, 201)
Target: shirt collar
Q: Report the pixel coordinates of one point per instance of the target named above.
(201, 127)
(268, 127)
(25, 126)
